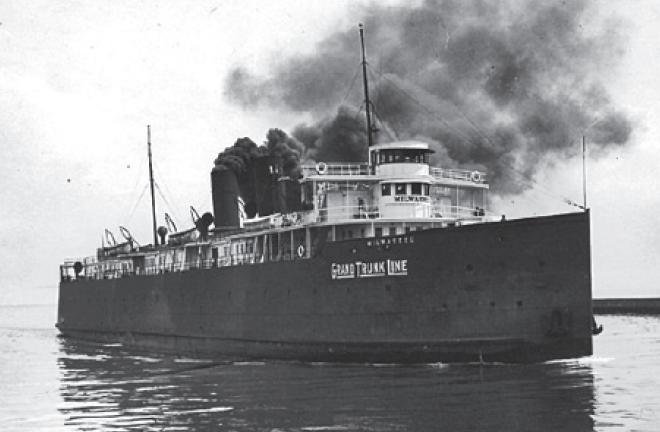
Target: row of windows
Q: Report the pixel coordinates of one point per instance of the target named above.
(379, 232)
(401, 156)
(405, 188)
(239, 248)
(391, 231)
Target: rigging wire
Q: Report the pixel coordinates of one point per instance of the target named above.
(386, 127)
(357, 114)
(483, 136)
(350, 87)
(429, 111)
(376, 98)
(160, 192)
(169, 192)
(130, 216)
(132, 194)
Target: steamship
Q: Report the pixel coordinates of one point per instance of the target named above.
(387, 260)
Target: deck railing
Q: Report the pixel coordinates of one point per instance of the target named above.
(336, 168)
(360, 169)
(459, 174)
(91, 268)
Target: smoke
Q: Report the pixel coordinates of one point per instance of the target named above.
(501, 86)
(340, 138)
(250, 162)
(282, 150)
(285, 150)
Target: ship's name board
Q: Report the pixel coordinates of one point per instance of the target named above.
(394, 240)
(411, 198)
(361, 269)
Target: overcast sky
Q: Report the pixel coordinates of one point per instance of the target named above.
(79, 82)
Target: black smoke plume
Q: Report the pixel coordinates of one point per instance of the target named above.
(258, 167)
(501, 86)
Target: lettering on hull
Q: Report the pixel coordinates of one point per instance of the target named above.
(362, 269)
(394, 240)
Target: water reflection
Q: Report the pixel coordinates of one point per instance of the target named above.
(110, 388)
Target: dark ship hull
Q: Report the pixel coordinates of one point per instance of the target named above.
(517, 291)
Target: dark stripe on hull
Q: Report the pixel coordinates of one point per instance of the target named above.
(449, 351)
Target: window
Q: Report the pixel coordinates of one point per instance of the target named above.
(379, 232)
(407, 230)
(400, 188)
(427, 189)
(386, 189)
(416, 189)
(350, 234)
(392, 231)
(403, 156)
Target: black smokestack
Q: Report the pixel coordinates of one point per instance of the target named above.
(225, 192)
(503, 86)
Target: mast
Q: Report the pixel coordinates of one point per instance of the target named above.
(151, 183)
(584, 173)
(366, 88)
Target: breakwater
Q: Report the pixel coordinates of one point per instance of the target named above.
(638, 306)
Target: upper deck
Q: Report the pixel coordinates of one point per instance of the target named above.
(393, 194)
(397, 182)
(394, 160)
(362, 171)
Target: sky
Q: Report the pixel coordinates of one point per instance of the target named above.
(80, 81)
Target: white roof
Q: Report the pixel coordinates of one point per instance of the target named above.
(419, 179)
(411, 144)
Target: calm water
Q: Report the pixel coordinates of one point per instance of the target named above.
(52, 384)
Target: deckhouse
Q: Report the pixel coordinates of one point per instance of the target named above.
(393, 193)
(396, 189)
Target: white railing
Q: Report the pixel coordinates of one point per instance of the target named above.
(344, 213)
(336, 168)
(459, 174)
(359, 169)
(347, 212)
(457, 212)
